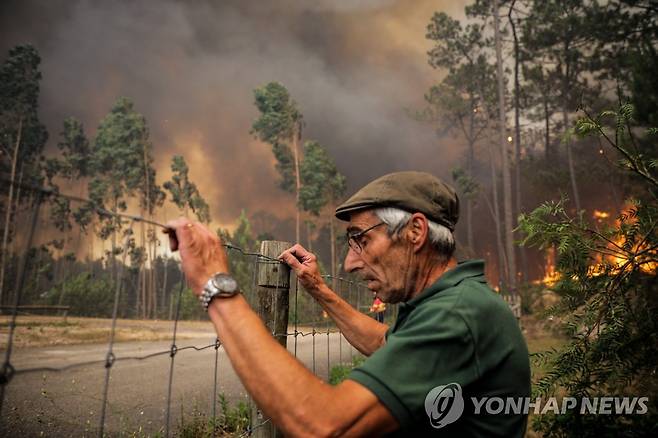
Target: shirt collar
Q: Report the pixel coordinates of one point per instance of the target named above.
(467, 269)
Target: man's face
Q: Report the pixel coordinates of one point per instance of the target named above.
(383, 262)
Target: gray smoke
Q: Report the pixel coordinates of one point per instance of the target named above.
(353, 67)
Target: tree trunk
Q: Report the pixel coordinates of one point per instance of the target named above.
(572, 170)
(517, 138)
(151, 272)
(165, 261)
(565, 120)
(92, 235)
(148, 274)
(5, 235)
(507, 180)
(17, 203)
(154, 282)
(78, 241)
(548, 150)
(469, 225)
(309, 240)
(140, 294)
(114, 241)
(500, 249)
(469, 201)
(298, 183)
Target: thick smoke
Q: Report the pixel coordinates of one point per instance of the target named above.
(353, 66)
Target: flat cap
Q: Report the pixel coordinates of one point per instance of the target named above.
(410, 191)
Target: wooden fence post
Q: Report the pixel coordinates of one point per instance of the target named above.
(273, 292)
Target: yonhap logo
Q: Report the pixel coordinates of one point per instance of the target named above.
(444, 405)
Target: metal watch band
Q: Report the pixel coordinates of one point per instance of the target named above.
(220, 285)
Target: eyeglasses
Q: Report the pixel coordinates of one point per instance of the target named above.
(354, 239)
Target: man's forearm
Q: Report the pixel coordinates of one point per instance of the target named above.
(360, 330)
(299, 402)
(280, 383)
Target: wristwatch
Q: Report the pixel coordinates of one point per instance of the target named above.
(220, 285)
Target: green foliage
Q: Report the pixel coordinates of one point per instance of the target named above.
(468, 187)
(75, 150)
(279, 114)
(618, 134)
(86, 295)
(465, 98)
(339, 373)
(279, 125)
(232, 421)
(241, 266)
(608, 306)
(118, 164)
(19, 94)
(121, 161)
(557, 34)
(453, 42)
(184, 192)
(322, 184)
(190, 308)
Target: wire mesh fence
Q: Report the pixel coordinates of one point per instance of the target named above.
(172, 373)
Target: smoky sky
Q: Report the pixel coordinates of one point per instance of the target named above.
(354, 67)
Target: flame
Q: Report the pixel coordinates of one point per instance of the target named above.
(615, 260)
(551, 276)
(639, 254)
(600, 215)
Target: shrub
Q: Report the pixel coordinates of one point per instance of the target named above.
(86, 295)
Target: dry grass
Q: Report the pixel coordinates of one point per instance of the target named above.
(40, 331)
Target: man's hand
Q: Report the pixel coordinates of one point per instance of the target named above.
(305, 266)
(201, 251)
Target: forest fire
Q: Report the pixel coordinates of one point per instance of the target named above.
(613, 258)
(258, 120)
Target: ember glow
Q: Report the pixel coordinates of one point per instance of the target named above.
(600, 215)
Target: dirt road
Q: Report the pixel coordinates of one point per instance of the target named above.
(68, 403)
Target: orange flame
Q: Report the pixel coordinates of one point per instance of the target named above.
(600, 215)
(551, 276)
(615, 260)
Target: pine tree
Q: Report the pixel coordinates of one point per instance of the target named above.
(608, 287)
(280, 124)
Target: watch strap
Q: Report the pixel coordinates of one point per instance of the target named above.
(212, 290)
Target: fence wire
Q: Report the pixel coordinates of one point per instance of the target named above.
(306, 318)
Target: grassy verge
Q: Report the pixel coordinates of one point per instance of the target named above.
(233, 420)
(339, 372)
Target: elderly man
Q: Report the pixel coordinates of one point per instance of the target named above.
(454, 342)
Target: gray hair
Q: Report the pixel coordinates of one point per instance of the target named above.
(440, 236)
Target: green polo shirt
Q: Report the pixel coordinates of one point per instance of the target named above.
(456, 331)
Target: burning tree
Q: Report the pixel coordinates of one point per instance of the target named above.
(607, 281)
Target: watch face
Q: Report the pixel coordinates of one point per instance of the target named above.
(225, 283)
